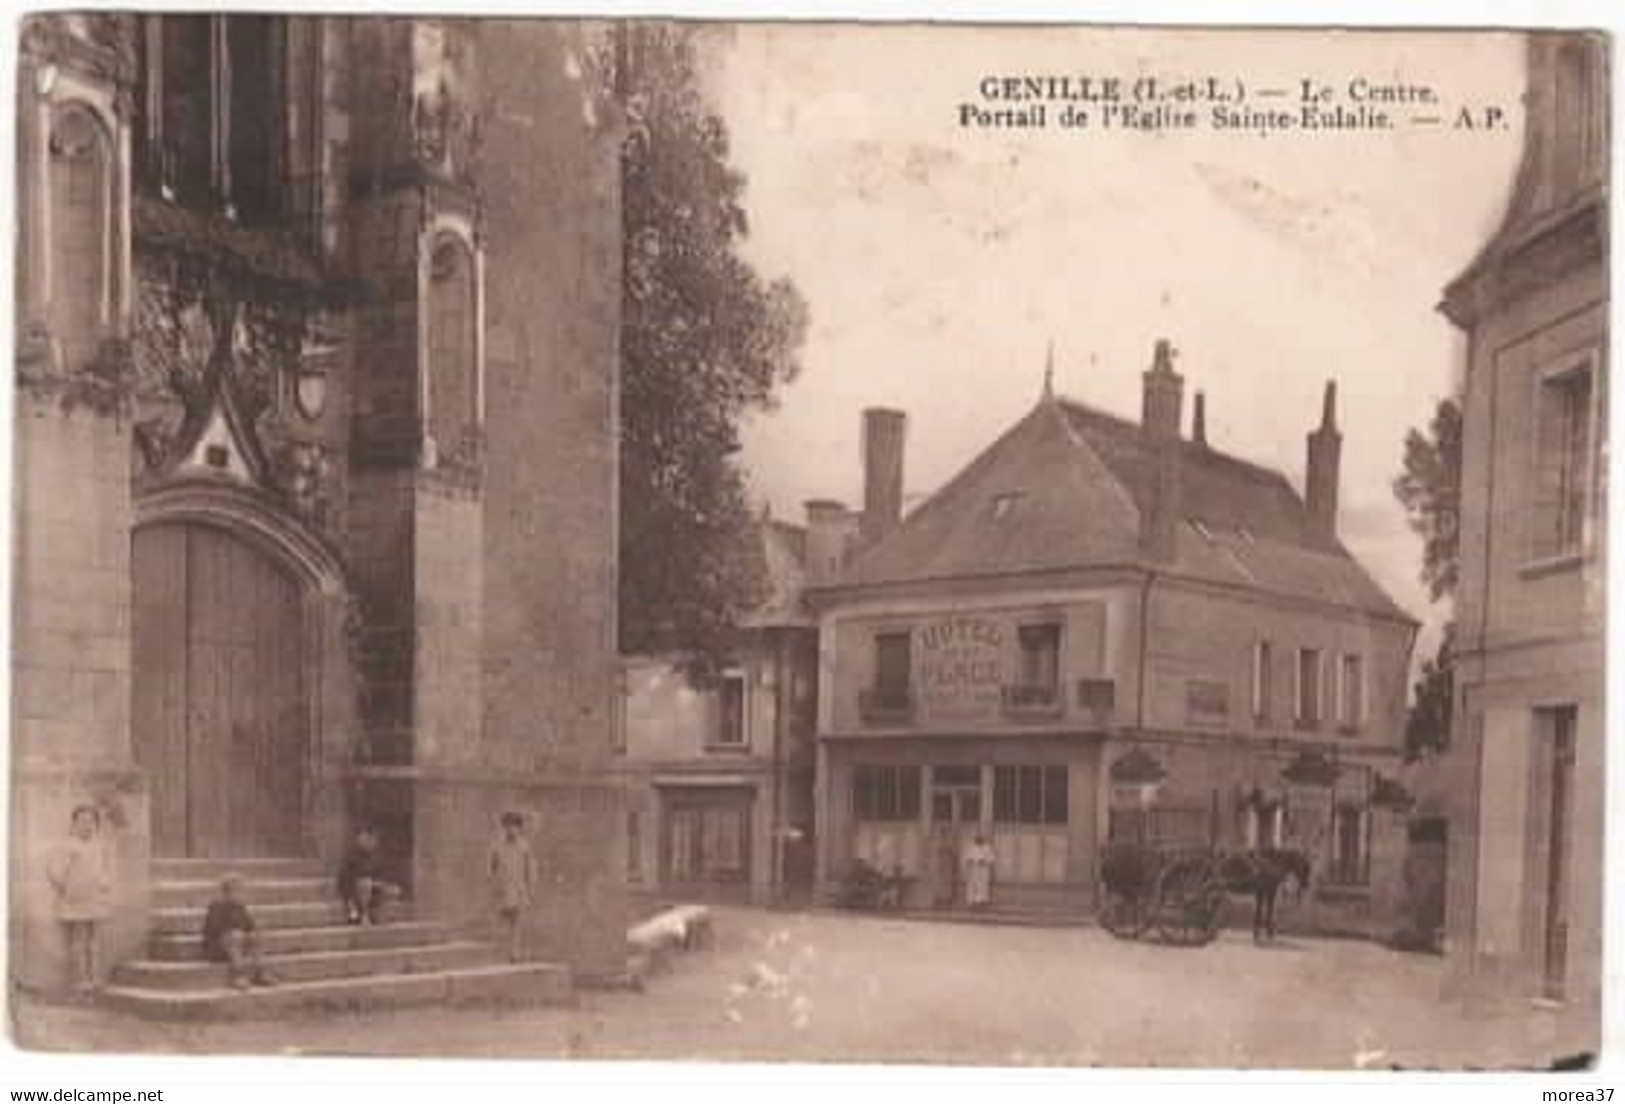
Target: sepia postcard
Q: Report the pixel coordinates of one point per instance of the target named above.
(995, 545)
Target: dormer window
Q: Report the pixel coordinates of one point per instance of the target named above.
(1004, 504)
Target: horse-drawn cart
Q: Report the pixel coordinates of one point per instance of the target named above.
(1178, 895)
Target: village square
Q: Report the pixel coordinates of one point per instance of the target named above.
(500, 571)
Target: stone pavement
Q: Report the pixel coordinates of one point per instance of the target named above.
(823, 987)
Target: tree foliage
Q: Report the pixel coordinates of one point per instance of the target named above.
(1429, 487)
(704, 340)
(1427, 728)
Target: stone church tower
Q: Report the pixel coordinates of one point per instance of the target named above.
(316, 458)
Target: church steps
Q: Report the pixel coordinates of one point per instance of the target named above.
(212, 870)
(308, 913)
(524, 984)
(318, 960)
(336, 937)
(255, 892)
(301, 966)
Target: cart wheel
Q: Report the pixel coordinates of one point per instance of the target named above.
(1124, 917)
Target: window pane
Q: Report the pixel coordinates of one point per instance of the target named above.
(1308, 685)
(1261, 679)
(452, 363)
(1055, 795)
(1040, 655)
(892, 668)
(731, 711)
(255, 102)
(187, 126)
(1032, 795)
(908, 807)
(1004, 793)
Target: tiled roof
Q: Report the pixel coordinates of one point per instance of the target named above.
(1065, 488)
(784, 547)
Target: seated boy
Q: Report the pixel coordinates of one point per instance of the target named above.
(361, 883)
(229, 936)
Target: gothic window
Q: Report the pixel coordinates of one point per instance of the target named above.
(453, 392)
(252, 140)
(210, 112)
(81, 222)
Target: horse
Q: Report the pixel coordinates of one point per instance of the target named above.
(1262, 872)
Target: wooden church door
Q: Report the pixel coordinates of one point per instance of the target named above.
(222, 719)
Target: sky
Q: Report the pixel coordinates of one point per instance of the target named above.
(939, 263)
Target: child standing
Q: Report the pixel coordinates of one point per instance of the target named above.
(513, 874)
(81, 880)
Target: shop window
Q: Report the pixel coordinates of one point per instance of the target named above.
(1350, 860)
(730, 711)
(1307, 691)
(81, 230)
(1262, 690)
(1030, 795)
(884, 792)
(1562, 476)
(452, 345)
(1351, 692)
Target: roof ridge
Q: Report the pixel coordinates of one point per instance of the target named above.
(1206, 452)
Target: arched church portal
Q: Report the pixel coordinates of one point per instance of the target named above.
(226, 682)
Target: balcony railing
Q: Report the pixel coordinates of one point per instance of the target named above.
(1026, 701)
(880, 707)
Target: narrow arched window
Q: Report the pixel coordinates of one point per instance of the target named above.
(81, 225)
(452, 345)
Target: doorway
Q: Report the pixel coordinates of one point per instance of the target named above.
(222, 716)
(956, 816)
(1560, 723)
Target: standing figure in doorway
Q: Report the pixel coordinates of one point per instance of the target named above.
(978, 862)
(513, 876)
(80, 874)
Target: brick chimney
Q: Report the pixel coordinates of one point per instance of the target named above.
(1162, 397)
(883, 432)
(1325, 448)
(831, 529)
(1199, 421)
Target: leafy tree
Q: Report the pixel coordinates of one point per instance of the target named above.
(1427, 728)
(704, 340)
(1429, 487)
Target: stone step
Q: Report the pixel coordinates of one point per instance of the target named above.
(175, 893)
(212, 870)
(293, 967)
(293, 914)
(521, 984)
(188, 946)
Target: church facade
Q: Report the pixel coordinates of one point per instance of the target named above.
(315, 518)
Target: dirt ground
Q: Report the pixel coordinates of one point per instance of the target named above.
(821, 987)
